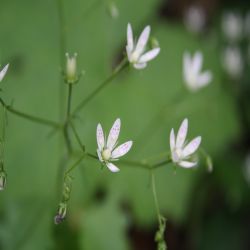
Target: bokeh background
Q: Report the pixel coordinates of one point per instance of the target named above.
(116, 211)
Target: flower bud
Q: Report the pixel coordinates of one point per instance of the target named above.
(61, 214)
(3, 178)
(71, 69)
(113, 10)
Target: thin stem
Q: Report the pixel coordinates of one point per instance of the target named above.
(163, 163)
(76, 135)
(155, 197)
(74, 165)
(117, 70)
(30, 117)
(66, 131)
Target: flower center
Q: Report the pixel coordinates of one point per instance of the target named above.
(134, 57)
(106, 154)
(177, 155)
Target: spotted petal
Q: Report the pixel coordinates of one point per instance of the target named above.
(114, 134)
(122, 149)
(191, 147)
(142, 41)
(197, 62)
(130, 41)
(204, 79)
(172, 140)
(100, 137)
(187, 164)
(150, 55)
(112, 167)
(3, 72)
(182, 134)
(140, 65)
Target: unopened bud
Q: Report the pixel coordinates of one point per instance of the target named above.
(3, 178)
(154, 43)
(61, 214)
(113, 10)
(71, 69)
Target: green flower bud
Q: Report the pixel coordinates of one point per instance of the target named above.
(71, 69)
(3, 179)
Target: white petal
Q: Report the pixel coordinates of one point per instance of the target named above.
(172, 140)
(130, 41)
(140, 65)
(114, 134)
(99, 155)
(182, 133)
(197, 62)
(191, 147)
(112, 167)
(100, 137)
(3, 72)
(187, 164)
(142, 41)
(122, 149)
(204, 79)
(150, 55)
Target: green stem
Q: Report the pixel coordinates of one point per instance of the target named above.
(66, 127)
(74, 165)
(155, 197)
(117, 70)
(77, 136)
(30, 117)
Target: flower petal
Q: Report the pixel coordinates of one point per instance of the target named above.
(191, 147)
(114, 134)
(3, 72)
(142, 41)
(140, 65)
(187, 164)
(150, 55)
(113, 168)
(172, 140)
(182, 133)
(204, 79)
(130, 41)
(197, 62)
(99, 155)
(122, 149)
(100, 137)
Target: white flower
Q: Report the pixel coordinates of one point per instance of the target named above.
(195, 19)
(233, 62)
(135, 52)
(232, 26)
(107, 150)
(71, 68)
(3, 72)
(193, 77)
(181, 151)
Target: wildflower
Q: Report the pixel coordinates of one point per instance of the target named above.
(195, 19)
(181, 151)
(233, 62)
(193, 77)
(3, 72)
(135, 52)
(71, 69)
(107, 150)
(232, 26)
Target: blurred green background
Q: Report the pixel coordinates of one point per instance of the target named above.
(116, 211)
